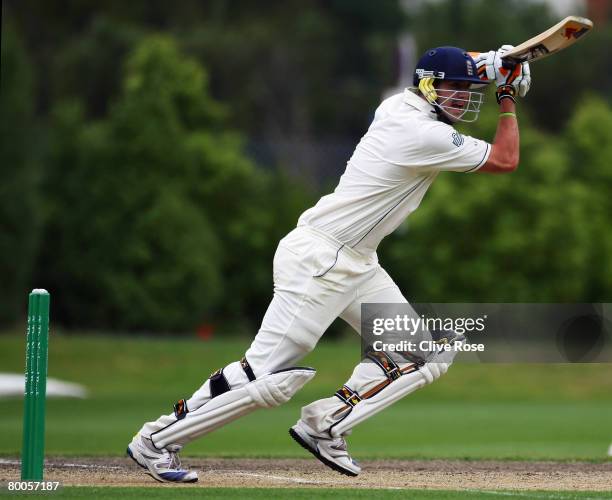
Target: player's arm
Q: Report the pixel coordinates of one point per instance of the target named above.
(504, 156)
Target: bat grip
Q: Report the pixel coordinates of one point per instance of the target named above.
(510, 62)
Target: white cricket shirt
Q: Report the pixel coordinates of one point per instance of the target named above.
(390, 171)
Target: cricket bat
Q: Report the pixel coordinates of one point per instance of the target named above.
(559, 37)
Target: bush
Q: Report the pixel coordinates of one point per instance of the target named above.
(130, 244)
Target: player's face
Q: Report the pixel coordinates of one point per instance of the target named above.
(454, 96)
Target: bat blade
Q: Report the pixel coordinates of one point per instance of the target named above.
(559, 37)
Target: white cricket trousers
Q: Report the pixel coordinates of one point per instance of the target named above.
(317, 279)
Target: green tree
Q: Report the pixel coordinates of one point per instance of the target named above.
(158, 221)
(590, 135)
(288, 68)
(20, 208)
(132, 245)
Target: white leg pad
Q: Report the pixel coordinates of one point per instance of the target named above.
(396, 390)
(266, 391)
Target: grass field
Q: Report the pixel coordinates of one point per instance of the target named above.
(475, 411)
(300, 493)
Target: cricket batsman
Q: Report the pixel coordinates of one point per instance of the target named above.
(327, 266)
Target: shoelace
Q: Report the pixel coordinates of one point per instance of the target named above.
(175, 461)
(339, 444)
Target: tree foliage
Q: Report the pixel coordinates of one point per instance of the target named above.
(20, 197)
(127, 192)
(144, 204)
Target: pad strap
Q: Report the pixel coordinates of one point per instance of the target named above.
(180, 409)
(247, 369)
(348, 396)
(218, 384)
(386, 364)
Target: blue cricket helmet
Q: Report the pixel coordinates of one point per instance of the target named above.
(446, 63)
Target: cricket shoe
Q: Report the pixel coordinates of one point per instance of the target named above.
(162, 465)
(331, 451)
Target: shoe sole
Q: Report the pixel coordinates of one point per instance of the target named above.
(298, 439)
(131, 455)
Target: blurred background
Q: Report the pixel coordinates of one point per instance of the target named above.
(153, 153)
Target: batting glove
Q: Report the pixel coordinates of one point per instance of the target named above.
(510, 81)
(485, 65)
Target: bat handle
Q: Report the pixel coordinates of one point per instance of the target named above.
(510, 62)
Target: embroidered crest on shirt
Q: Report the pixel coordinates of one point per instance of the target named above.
(457, 139)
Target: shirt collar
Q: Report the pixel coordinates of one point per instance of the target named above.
(419, 103)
